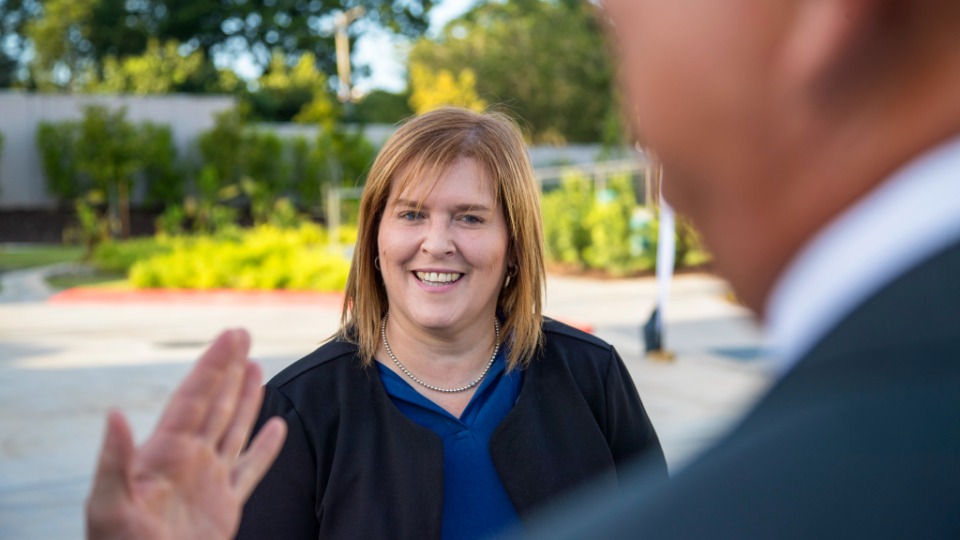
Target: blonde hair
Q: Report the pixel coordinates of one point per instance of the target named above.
(424, 147)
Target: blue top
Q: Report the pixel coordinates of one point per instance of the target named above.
(475, 503)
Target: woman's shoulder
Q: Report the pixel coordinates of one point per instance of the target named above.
(330, 357)
(560, 335)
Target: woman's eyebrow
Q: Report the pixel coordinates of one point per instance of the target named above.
(407, 203)
(471, 207)
(465, 207)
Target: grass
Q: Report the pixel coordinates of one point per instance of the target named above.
(97, 280)
(19, 257)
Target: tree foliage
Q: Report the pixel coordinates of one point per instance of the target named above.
(107, 154)
(293, 91)
(14, 17)
(72, 37)
(435, 89)
(545, 60)
(61, 43)
(159, 70)
(381, 107)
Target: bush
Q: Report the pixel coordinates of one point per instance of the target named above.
(265, 257)
(608, 225)
(564, 215)
(91, 228)
(105, 152)
(119, 257)
(57, 143)
(159, 167)
(607, 231)
(263, 167)
(221, 149)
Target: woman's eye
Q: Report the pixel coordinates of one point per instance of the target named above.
(473, 220)
(410, 216)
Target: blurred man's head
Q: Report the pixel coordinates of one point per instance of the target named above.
(772, 116)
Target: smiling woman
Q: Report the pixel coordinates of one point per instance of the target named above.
(446, 406)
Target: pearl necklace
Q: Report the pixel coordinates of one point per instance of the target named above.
(414, 378)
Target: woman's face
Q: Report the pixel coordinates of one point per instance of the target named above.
(443, 251)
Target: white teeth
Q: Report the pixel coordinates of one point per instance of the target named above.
(438, 277)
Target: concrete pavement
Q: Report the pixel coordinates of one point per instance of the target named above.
(62, 366)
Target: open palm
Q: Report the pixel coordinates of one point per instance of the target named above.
(189, 479)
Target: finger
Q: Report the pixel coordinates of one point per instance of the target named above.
(223, 408)
(191, 402)
(249, 405)
(111, 481)
(256, 461)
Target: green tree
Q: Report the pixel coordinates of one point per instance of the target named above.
(160, 69)
(1, 148)
(14, 17)
(108, 153)
(58, 144)
(73, 38)
(221, 149)
(61, 43)
(381, 107)
(546, 60)
(434, 89)
(295, 91)
(158, 165)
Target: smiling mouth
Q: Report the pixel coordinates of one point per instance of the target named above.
(436, 279)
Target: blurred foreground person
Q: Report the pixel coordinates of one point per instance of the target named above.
(190, 478)
(816, 144)
(447, 406)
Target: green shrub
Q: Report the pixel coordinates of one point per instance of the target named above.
(57, 143)
(107, 152)
(265, 257)
(221, 149)
(119, 257)
(91, 229)
(159, 167)
(608, 225)
(172, 221)
(262, 167)
(607, 231)
(564, 216)
(308, 173)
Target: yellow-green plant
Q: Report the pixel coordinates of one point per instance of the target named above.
(263, 258)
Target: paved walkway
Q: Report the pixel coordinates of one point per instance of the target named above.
(63, 365)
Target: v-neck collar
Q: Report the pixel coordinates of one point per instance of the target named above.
(400, 388)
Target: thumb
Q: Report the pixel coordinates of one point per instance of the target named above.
(111, 481)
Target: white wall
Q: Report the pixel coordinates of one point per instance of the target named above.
(22, 183)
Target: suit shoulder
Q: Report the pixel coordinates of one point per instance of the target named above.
(557, 333)
(331, 353)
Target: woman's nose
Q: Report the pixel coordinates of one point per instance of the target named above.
(438, 240)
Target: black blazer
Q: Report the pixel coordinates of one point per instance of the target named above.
(353, 466)
(860, 440)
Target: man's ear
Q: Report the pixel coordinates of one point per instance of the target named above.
(826, 38)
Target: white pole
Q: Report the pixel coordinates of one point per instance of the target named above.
(666, 252)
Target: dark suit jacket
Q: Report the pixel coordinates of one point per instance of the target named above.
(860, 440)
(354, 467)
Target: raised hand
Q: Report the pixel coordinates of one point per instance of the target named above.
(189, 479)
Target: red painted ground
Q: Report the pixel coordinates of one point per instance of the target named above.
(228, 297)
(81, 295)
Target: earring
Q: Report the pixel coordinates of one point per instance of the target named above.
(376, 262)
(511, 271)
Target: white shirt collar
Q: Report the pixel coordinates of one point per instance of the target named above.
(906, 219)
